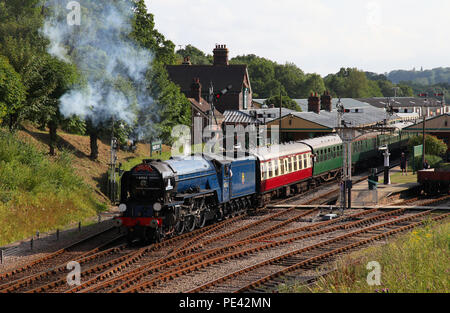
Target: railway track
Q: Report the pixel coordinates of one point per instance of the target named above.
(198, 262)
(182, 254)
(240, 249)
(77, 251)
(265, 275)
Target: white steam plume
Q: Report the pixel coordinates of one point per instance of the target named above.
(113, 66)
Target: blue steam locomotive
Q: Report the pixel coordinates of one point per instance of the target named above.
(166, 198)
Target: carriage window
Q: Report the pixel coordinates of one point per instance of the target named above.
(305, 160)
(275, 168)
(263, 171)
(269, 167)
(282, 169)
(290, 164)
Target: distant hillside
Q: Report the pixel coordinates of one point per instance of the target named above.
(422, 77)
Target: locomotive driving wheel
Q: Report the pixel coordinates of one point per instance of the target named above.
(201, 220)
(179, 227)
(189, 223)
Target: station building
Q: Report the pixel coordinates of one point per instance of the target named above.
(319, 117)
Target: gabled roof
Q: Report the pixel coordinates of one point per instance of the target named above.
(204, 107)
(239, 117)
(221, 76)
(255, 116)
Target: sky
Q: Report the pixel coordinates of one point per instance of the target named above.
(319, 36)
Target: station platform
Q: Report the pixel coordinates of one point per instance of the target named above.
(362, 196)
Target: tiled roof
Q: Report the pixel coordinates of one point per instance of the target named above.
(205, 107)
(255, 116)
(239, 117)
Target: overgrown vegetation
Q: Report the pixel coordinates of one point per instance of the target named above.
(415, 262)
(38, 193)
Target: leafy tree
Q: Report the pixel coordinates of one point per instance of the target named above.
(286, 102)
(433, 145)
(197, 56)
(145, 33)
(171, 106)
(291, 77)
(22, 45)
(336, 85)
(405, 90)
(313, 83)
(12, 91)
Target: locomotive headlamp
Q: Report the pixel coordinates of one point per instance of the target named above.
(157, 207)
(122, 207)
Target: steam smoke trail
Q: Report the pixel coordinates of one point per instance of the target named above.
(114, 67)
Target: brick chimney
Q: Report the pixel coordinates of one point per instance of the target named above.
(314, 103)
(220, 55)
(187, 60)
(325, 101)
(196, 89)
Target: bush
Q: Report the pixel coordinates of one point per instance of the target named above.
(433, 145)
(433, 160)
(37, 193)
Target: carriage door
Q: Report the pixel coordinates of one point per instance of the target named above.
(226, 182)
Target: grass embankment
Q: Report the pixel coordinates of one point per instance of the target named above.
(38, 192)
(414, 262)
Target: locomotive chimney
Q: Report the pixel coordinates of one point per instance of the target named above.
(220, 55)
(325, 101)
(196, 89)
(314, 103)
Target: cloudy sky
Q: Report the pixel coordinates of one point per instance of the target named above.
(318, 35)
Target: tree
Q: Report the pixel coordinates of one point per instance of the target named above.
(147, 36)
(12, 92)
(313, 83)
(433, 145)
(171, 107)
(356, 84)
(197, 56)
(286, 102)
(22, 45)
